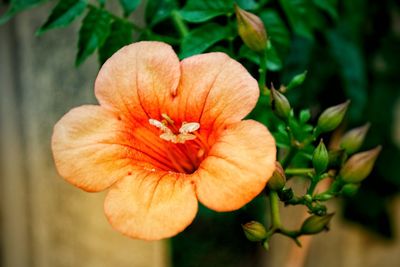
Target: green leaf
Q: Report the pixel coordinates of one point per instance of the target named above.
(329, 6)
(63, 14)
(276, 30)
(298, 16)
(17, 6)
(157, 11)
(129, 6)
(305, 115)
(274, 63)
(93, 32)
(199, 11)
(121, 34)
(247, 4)
(198, 40)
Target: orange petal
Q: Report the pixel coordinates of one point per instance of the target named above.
(151, 205)
(214, 90)
(237, 167)
(86, 149)
(138, 79)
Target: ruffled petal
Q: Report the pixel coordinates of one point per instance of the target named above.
(138, 80)
(237, 167)
(91, 151)
(151, 205)
(214, 90)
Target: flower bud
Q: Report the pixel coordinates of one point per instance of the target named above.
(332, 117)
(353, 139)
(349, 190)
(285, 194)
(359, 166)
(297, 80)
(320, 158)
(254, 231)
(315, 224)
(278, 179)
(251, 29)
(280, 104)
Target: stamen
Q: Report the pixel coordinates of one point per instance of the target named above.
(189, 127)
(183, 137)
(169, 136)
(167, 118)
(159, 125)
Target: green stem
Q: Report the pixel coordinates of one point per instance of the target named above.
(262, 72)
(290, 155)
(299, 171)
(179, 23)
(274, 202)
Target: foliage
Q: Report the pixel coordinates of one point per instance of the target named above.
(350, 50)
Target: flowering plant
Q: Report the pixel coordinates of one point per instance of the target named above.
(169, 133)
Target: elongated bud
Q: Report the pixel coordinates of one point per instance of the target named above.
(359, 166)
(349, 190)
(280, 104)
(278, 179)
(315, 224)
(251, 29)
(353, 139)
(320, 158)
(254, 231)
(332, 117)
(297, 80)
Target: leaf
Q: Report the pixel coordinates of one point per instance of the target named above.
(63, 14)
(276, 30)
(93, 32)
(247, 4)
(200, 11)
(329, 6)
(274, 63)
(297, 13)
(129, 6)
(157, 11)
(121, 34)
(17, 6)
(198, 40)
(305, 115)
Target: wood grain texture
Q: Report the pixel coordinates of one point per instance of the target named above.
(45, 221)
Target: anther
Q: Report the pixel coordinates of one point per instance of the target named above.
(189, 127)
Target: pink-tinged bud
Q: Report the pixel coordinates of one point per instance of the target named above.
(332, 117)
(251, 29)
(278, 179)
(320, 158)
(359, 166)
(254, 231)
(352, 140)
(280, 104)
(315, 224)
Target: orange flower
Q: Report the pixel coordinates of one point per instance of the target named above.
(165, 135)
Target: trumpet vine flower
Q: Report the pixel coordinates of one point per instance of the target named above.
(165, 135)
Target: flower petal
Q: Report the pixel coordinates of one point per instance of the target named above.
(237, 167)
(151, 205)
(215, 89)
(138, 79)
(89, 148)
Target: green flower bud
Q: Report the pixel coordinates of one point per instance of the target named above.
(280, 104)
(349, 190)
(332, 117)
(320, 158)
(254, 231)
(285, 194)
(251, 29)
(297, 80)
(359, 166)
(353, 139)
(315, 224)
(278, 179)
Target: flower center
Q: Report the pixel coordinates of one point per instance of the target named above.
(184, 156)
